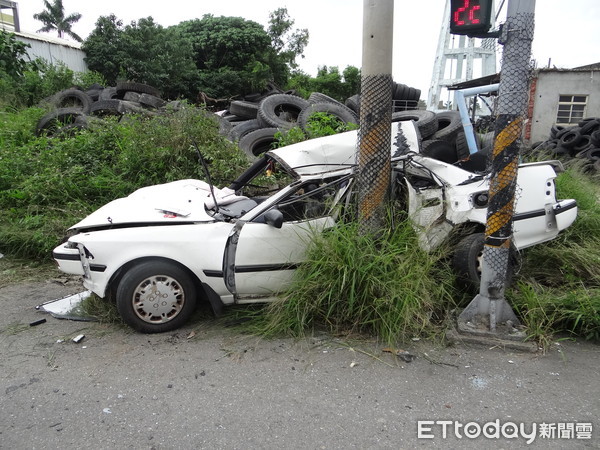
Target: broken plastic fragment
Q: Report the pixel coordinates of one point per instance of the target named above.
(37, 322)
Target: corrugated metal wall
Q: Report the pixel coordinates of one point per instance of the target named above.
(54, 50)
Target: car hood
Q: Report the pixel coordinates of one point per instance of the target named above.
(175, 202)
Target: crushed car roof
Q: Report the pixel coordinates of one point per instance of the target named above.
(338, 152)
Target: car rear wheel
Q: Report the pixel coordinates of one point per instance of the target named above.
(468, 258)
(156, 296)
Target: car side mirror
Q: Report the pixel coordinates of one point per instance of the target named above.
(274, 217)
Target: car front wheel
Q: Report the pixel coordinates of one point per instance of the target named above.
(156, 296)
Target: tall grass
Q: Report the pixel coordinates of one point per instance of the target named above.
(354, 282)
(559, 283)
(48, 184)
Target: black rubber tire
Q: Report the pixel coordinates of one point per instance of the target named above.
(181, 281)
(257, 142)
(108, 93)
(589, 126)
(247, 110)
(440, 150)
(462, 147)
(486, 142)
(593, 154)
(571, 138)
(466, 262)
(151, 101)
(72, 98)
(281, 110)
(317, 97)
(131, 96)
(50, 123)
(399, 92)
(555, 129)
(426, 121)
(584, 144)
(140, 88)
(94, 94)
(559, 150)
(341, 112)
(113, 107)
(243, 128)
(354, 103)
(70, 130)
(559, 133)
(449, 124)
(595, 136)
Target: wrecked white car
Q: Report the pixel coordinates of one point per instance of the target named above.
(163, 248)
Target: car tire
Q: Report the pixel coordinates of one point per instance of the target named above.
(467, 262)
(73, 98)
(108, 107)
(138, 291)
(257, 142)
(440, 150)
(353, 103)
(449, 124)
(241, 129)
(462, 146)
(595, 137)
(54, 120)
(318, 97)
(339, 111)
(247, 110)
(281, 110)
(426, 121)
(571, 138)
(140, 88)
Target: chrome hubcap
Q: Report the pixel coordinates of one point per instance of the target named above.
(158, 299)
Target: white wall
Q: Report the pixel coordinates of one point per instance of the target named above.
(551, 83)
(54, 50)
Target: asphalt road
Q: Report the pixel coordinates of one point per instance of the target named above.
(208, 386)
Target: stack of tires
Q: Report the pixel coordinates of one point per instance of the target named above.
(581, 141)
(255, 134)
(257, 118)
(74, 108)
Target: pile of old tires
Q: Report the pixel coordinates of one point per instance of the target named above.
(257, 118)
(74, 108)
(581, 141)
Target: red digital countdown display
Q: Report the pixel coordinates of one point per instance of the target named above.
(470, 17)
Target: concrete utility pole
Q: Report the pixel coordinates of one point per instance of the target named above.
(374, 141)
(517, 37)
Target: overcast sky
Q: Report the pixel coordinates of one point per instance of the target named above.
(565, 31)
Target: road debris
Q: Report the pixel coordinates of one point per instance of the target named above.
(402, 354)
(77, 339)
(37, 322)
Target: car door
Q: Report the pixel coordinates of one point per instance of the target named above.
(260, 258)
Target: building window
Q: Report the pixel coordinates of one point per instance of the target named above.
(571, 109)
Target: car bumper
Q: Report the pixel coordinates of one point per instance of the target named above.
(68, 259)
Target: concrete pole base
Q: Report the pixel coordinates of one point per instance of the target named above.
(490, 317)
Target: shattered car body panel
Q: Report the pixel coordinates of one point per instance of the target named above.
(232, 246)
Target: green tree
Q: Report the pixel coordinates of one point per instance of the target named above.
(13, 54)
(103, 48)
(144, 52)
(231, 54)
(53, 18)
(287, 43)
(328, 81)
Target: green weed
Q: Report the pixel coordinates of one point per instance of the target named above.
(358, 283)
